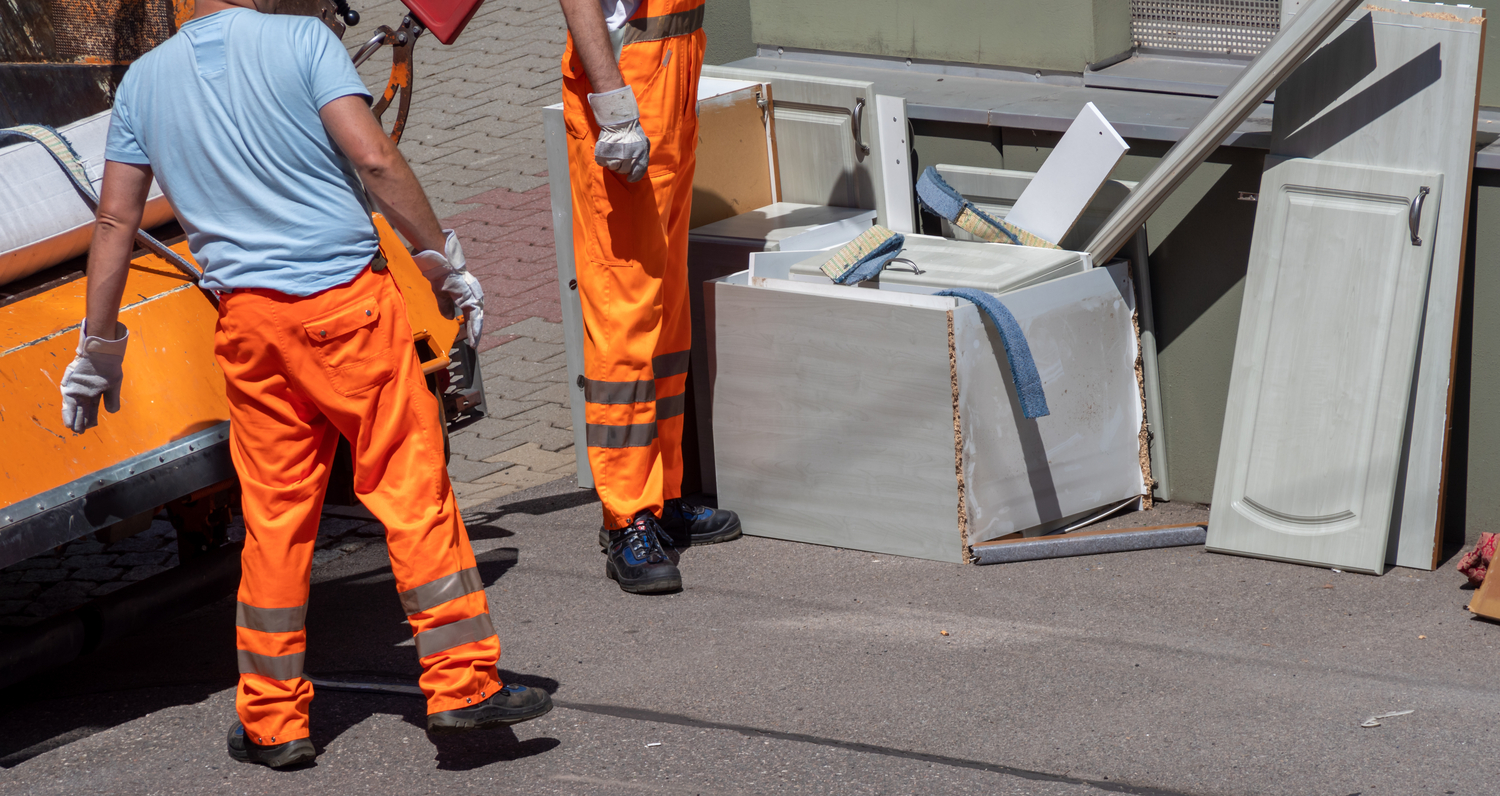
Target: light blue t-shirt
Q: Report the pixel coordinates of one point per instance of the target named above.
(226, 115)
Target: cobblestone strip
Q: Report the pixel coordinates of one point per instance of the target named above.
(475, 122)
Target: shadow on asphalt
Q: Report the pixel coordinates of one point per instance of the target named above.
(355, 626)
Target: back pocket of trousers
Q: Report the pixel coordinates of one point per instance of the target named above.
(354, 347)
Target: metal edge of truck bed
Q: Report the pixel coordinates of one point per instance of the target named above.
(107, 496)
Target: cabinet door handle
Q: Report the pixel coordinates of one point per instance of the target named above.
(859, 118)
(1414, 218)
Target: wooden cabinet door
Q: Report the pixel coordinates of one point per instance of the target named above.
(1323, 364)
(826, 138)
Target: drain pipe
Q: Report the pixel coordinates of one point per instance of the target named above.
(64, 638)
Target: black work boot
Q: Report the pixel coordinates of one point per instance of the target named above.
(512, 704)
(688, 525)
(636, 559)
(281, 755)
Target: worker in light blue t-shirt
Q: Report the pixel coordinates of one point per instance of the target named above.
(259, 131)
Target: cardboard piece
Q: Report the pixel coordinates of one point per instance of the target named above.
(733, 172)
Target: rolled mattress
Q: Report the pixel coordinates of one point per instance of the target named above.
(43, 219)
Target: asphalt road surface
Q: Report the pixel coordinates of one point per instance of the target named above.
(789, 669)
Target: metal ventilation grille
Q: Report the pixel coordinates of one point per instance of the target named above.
(1220, 27)
(109, 31)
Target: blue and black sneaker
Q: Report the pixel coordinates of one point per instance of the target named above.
(686, 525)
(689, 526)
(637, 560)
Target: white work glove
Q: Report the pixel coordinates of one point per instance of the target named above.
(93, 374)
(457, 290)
(623, 147)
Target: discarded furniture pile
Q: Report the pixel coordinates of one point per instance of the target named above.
(981, 392)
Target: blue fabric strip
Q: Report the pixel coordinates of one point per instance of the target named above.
(873, 262)
(938, 196)
(1017, 351)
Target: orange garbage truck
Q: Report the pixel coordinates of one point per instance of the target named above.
(167, 447)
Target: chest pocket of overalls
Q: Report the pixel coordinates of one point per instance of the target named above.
(354, 346)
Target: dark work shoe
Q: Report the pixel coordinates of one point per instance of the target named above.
(690, 525)
(512, 704)
(281, 755)
(637, 560)
(687, 525)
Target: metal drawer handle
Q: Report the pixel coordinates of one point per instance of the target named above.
(1414, 218)
(859, 118)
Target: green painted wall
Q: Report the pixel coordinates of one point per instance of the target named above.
(1474, 466)
(726, 23)
(1054, 35)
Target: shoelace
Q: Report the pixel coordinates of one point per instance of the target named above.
(645, 541)
(680, 507)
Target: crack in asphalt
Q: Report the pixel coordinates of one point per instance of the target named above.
(638, 714)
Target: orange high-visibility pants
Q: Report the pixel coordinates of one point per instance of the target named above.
(630, 249)
(300, 371)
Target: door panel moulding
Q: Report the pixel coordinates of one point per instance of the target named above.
(1319, 393)
(1396, 88)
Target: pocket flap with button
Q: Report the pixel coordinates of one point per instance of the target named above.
(343, 322)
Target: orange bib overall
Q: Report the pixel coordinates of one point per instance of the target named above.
(630, 246)
(300, 371)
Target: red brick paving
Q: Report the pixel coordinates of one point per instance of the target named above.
(507, 239)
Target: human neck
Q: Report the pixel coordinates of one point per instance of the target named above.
(205, 7)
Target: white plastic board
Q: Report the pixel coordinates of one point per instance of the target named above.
(43, 219)
(1070, 177)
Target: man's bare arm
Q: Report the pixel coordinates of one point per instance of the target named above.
(384, 171)
(591, 40)
(122, 200)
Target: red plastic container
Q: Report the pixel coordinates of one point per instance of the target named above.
(444, 18)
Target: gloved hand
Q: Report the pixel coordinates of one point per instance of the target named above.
(623, 147)
(457, 290)
(93, 374)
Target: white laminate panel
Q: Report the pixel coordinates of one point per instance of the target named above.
(944, 263)
(1033, 476)
(823, 127)
(554, 129)
(1396, 86)
(1323, 362)
(833, 420)
(1070, 177)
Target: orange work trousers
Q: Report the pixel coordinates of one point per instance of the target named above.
(300, 371)
(630, 249)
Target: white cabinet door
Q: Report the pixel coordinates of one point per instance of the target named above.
(1324, 363)
(826, 138)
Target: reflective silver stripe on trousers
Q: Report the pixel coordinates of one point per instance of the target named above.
(671, 364)
(431, 642)
(663, 27)
(671, 406)
(270, 620)
(636, 435)
(436, 592)
(619, 392)
(282, 667)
